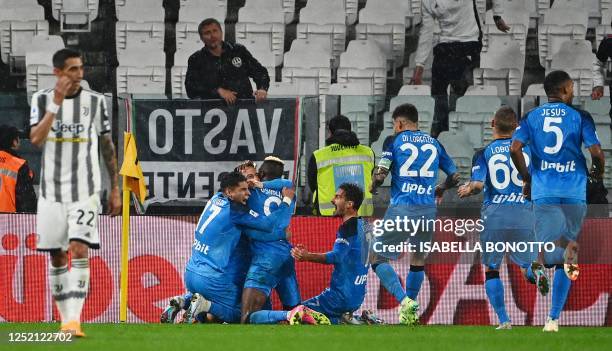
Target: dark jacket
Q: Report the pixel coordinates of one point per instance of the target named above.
(25, 196)
(342, 137)
(207, 72)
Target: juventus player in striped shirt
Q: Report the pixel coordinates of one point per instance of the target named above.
(67, 123)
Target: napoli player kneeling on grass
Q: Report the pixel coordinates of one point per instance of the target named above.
(348, 281)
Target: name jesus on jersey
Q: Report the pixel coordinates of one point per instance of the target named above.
(70, 166)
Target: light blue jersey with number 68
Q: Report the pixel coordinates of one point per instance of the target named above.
(555, 133)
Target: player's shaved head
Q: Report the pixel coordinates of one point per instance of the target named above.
(554, 82)
(271, 169)
(505, 120)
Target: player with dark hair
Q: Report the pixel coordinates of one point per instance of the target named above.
(555, 133)
(413, 158)
(494, 172)
(272, 265)
(348, 281)
(214, 272)
(67, 123)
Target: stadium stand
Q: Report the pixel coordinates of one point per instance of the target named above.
(559, 25)
(358, 104)
(75, 15)
(308, 66)
(385, 22)
(516, 18)
(39, 67)
(261, 28)
(458, 146)
(603, 29)
(472, 117)
(576, 58)
(502, 66)
(325, 20)
(191, 14)
(595, 8)
(20, 20)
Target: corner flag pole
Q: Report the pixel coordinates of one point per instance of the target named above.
(125, 240)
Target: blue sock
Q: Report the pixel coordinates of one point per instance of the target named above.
(529, 274)
(187, 300)
(561, 287)
(224, 313)
(495, 293)
(555, 257)
(267, 317)
(414, 280)
(390, 280)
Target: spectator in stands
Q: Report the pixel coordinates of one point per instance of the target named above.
(604, 52)
(456, 53)
(16, 188)
(342, 160)
(221, 70)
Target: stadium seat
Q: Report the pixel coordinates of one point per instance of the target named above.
(325, 20)
(75, 15)
(595, 8)
(459, 148)
(132, 36)
(517, 19)
(191, 14)
(178, 72)
(288, 9)
(599, 109)
(358, 104)
(576, 58)
(308, 65)
(139, 10)
(473, 116)
(408, 71)
(261, 24)
(502, 66)
(559, 25)
(187, 37)
(482, 90)
(407, 89)
(267, 58)
(604, 29)
(363, 61)
(20, 20)
(39, 66)
(289, 89)
(385, 22)
(350, 8)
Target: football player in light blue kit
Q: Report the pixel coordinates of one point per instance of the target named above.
(347, 287)
(555, 133)
(214, 269)
(413, 159)
(503, 203)
(272, 265)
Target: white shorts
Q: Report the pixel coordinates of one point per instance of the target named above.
(58, 223)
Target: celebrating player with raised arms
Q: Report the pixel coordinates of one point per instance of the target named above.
(214, 272)
(413, 158)
(271, 265)
(503, 204)
(555, 133)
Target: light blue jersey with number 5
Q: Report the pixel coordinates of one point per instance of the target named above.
(555, 133)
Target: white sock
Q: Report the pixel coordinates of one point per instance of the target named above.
(59, 282)
(79, 286)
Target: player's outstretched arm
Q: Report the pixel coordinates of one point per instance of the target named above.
(110, 158)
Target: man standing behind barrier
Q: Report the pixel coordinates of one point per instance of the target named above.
(221, 70)
(342, 160)
(604, 53)
(16, 189)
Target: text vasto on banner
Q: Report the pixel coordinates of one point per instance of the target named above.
(185, 145)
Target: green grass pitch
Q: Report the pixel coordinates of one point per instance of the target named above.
(158, 337)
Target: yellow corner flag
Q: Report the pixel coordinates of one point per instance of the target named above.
(131, 169)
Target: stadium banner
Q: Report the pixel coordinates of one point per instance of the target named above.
(452, 292)
(185, 145)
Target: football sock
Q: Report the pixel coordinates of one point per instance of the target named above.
(561, 287)
(495, 293)
(529, 275)
(555, 257)
(414, 281)
(224, 313)
(268, 317)
(187, 300)
(390, 280)
(79, 283)
(60, 289)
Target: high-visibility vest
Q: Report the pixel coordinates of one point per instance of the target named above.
(9, 168)
(337, 164)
